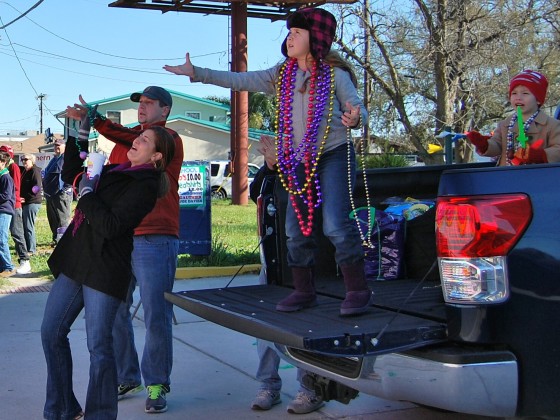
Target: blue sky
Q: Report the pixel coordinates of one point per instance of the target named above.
(83, 46)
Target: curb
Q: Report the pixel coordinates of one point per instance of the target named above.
(185, 273)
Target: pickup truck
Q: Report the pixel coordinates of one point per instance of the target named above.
(470, 326)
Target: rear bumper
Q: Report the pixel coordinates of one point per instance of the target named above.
(478, 383)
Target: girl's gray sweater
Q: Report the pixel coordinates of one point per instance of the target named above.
(265, 81)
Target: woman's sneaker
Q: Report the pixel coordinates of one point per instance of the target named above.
(156, 402)
(265, 399)
(127, 390)
(24, 267)
(305, 403)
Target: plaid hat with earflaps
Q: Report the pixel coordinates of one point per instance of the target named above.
(321, 26)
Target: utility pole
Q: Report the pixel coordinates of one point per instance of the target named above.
(41, 97)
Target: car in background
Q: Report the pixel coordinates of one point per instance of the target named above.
(220, 178)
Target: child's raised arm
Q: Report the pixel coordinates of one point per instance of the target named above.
(186, 69)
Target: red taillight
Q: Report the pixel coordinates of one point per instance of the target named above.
(480, 226)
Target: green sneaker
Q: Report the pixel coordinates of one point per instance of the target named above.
(126, 390)
(156, 402)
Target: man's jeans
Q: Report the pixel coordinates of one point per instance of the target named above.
(335, 209)
(154, 261)
(5, 257)
(29, 213)
(16, 229)
(64, 304)
(269, 362)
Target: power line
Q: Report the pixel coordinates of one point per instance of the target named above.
(15, 53)
(20, 16)
(91, 49)
(140, 70)
(23, 69)
(95, 75)
(15, 121)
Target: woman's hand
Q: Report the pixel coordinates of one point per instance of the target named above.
(351, 117)
(267, 147)
(186, 69)
(77, 111)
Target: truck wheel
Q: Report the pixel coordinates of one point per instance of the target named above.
(219, 194)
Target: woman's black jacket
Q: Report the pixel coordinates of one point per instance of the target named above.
(96, 252)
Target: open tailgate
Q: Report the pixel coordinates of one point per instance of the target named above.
(251, 310)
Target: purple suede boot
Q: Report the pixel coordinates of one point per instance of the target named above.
(304, 296)
(358, 295)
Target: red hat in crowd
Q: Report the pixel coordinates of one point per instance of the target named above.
(534, 81)
(321, 26)
(8, 149)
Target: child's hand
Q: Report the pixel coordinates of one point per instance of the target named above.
(186, 69)
(351, 117)
(532, 154)
(480, 141)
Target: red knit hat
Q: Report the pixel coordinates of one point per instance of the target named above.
(321, 26)
(534, 81)
(8, 149)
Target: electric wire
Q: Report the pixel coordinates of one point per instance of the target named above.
(21, 14)
(101, 52)
(147, 83)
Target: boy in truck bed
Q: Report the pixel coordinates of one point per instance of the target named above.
(527, 90)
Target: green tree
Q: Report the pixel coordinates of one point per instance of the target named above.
(262, 109)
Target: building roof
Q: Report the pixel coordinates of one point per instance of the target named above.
(173, 93)
(35, 144)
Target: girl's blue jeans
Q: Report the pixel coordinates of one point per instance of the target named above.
(334, 168)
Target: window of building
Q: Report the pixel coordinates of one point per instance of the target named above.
(114, 116)
(193, 114)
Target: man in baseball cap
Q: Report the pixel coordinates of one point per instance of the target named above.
(156, 93)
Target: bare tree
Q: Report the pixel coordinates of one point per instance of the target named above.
(440, 65)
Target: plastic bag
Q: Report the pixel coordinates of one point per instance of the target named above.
(384, 244)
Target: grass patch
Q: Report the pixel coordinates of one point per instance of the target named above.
(234, 240)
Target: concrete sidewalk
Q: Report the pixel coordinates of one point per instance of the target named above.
(213, 374)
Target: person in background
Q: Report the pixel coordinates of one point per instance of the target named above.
(268, 395)
(318, 104)
(7, 208)
(16, 226)
(31, 191)
(154, 259)
(58, 194)
(92, 267)
(527, 90)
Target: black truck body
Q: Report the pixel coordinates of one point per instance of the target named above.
(472, 324)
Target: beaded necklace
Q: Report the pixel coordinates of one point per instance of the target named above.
(370, 222)
(321, 91)
(510, 147)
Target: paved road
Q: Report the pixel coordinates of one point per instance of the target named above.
(213, 374)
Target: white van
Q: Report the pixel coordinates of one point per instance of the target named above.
(220, 177)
